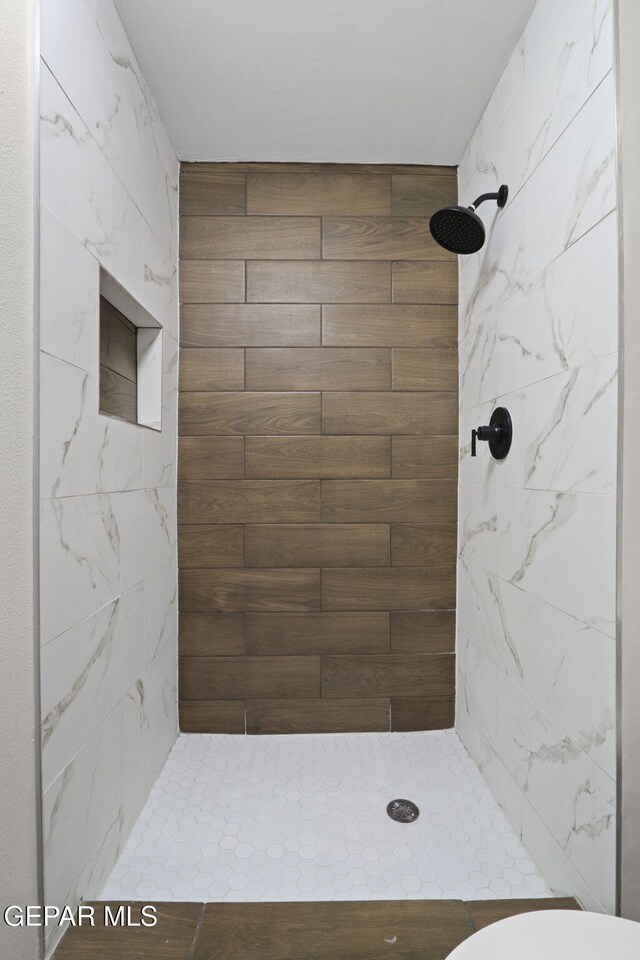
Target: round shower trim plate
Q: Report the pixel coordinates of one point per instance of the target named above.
(503, 195)
(403, 811)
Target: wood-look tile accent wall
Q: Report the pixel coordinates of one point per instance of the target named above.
(118, 364)
(318, 449)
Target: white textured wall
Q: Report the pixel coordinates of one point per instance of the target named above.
(109, 182)
(538, 334)
(18, 709)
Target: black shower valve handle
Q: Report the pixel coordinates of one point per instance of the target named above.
(497, 433)
(489, 432)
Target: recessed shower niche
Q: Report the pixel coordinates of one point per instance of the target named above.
(130, 358)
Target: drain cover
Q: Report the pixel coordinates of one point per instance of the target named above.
(404, 811)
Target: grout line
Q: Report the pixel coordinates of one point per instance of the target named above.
(470, 921)
(196, 935)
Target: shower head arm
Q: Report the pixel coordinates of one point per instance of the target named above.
(500, 197)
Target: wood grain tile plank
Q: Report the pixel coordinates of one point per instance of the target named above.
(211, 634)
(390, 325)
(170, 939)
(337, 930)
(321, 194)
(318, 281)
(118, 396)
(485, 912)
(275, 634)
(390, 413)
(318, 368)
(432, 282)
(210, 545)
(318, 457)
(389, 501)
(388, 588)
(118, 342)
(212, 591)
(210, 458)
(234, 678)
(379, 238)
(241, 413)
(422, 713)
(424, 457)
(249, 501)
(212, 281)
(250, 325)
(317, 716)
(423, 631)
(421, 196)
(389, 676)
(211, 716)
(317, 545)
(434, 369)
(276, 166)
(249, 238)
(424, 544)
(211, 190)
(206, 368)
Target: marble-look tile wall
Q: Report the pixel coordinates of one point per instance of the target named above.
(109, 187)
(538, 334)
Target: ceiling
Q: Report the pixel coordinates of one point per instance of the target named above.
(378, 81)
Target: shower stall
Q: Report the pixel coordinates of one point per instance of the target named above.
(283, 584)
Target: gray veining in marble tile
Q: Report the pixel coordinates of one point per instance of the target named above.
(537, 532)
(109, 190)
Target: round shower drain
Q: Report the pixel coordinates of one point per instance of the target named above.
(404, 811)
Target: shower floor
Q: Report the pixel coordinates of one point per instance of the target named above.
(291, 818)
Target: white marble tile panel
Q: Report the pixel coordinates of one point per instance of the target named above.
(85, 672)
(80, 810)
(160, 288)
(83, 451)
(160, 447)
(80, 553)
(565, 69)
(117, 42)
(559, 546)
(79, 187)
(477, 684)
(160, 685)
(568, 194)
(146, 520)
(564, 666)
(160, 452)
(575, 185)
(571, 794)
(82, 38)
(563, 436)
(570, 428)
(548, 855)
(553, 324)
(498, 779)
(553, 863)
(161, 610)
(69, 285)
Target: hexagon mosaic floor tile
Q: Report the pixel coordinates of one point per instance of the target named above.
(234, 818)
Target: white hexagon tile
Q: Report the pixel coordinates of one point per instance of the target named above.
(304, 818)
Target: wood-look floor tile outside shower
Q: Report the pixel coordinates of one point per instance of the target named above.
(318, 449)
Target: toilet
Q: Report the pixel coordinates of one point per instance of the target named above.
(554, 935)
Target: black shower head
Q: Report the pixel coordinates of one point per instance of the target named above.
(460, 229)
